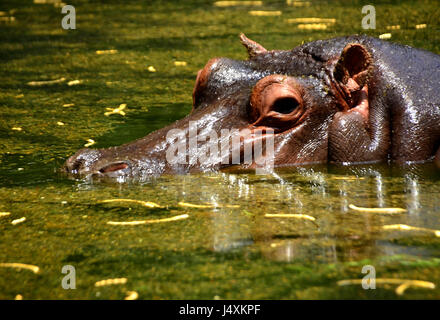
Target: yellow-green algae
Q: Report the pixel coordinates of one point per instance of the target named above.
(227, 249)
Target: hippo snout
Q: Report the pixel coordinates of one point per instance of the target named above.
(91, 161)
(82, 162)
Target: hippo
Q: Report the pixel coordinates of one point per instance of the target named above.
(346, 100)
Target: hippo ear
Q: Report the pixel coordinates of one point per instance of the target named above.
(252, 47)
(355, 63)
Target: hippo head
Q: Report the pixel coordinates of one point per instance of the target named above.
(287, 97)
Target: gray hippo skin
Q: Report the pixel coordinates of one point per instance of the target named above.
(346, 100)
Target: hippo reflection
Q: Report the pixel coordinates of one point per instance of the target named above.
(339, 233)
(346, 100)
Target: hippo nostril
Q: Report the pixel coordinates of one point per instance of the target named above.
(114, 167)
(77, 164)
(82, 162)
(73, 165)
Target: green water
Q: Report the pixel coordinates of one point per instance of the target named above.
(229, 250)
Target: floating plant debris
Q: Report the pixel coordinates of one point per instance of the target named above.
(16, 265)
(347, 178)
(7, 19)
(144, 203)
(404, 227)
(403, 283)
(17, 221)
(46, 1)
(265, 13)
(110, 51)
(89, 143)
(290, 215)
(385, 36)
(190, 205)
(108, 282)
(377, 210)
(73, 82)
(206, 206)
(298, 3)
(237, 3)
(138, 222)
(46, 82)
(311, 20)
(180, 63)
(131, 295)
(312, 26)
(118, 110)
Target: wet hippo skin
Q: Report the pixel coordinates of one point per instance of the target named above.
(346, 100)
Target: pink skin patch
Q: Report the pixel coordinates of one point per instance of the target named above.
(352, 85)
(114, 167)
(362, 105)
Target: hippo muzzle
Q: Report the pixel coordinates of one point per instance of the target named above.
(93, 162)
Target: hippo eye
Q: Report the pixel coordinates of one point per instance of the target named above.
(277, 102)
(285, 105)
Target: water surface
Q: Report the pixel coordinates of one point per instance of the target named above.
(227, 249)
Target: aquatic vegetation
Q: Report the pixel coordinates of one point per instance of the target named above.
(16, 265)
(290, 215)
(377, 210)
(385, 36)
(180, 63)
(133, 223)
(237, 3)
(205, 206)
(148, 204)
(131, 295)
(108, 282)
(226, 235)
(90, 142)
(74, 82)
(118, 110)
(262, 13)
(403, 284)
(404, 227)
(17, 221)
(108, 51)
(46, 82)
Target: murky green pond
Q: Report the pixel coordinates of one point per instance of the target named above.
(229, 246)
